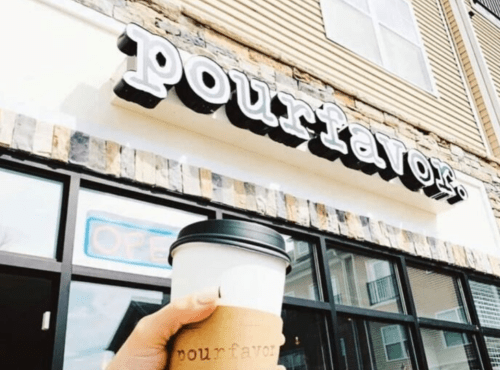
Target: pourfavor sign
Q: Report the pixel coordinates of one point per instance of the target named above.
(203, 86)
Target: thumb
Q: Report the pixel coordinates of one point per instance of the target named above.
(158, 328)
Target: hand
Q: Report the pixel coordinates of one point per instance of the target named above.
(146, 347)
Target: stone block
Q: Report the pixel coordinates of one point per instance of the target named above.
(206, 183)
(322, 216)
(343, 227)
(355, 229)
(438, 252)
(471, 259)
(303, 216)
(7, 122)
(265, 200)
(97, 155)
(240, 197)
(313, 215)
(365, 227)
(175, 175)
(482, 262)
(61, 143)
(42, 141)
(79, 148)
(344, 99)
(223, 189)
(250, 197)
(287, 81)
(369, 111)
(392, 234)
(145, 167)
(459, 255)
(377, 235)
(281, 208)
(495, 265)
(422, 246)
(191, 180)
(127, 163)
(405, 241)
(332, 220)
(449, 252)
(113, 158)
(102, 6)
(24, 133)
(291, 208)
(161, 172)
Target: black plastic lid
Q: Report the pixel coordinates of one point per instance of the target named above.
(241, 234)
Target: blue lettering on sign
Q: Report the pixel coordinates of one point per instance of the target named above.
(112, 237)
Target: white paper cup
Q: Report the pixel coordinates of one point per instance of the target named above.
(246, 260)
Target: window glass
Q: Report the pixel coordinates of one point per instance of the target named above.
(118, 233)
(306, 346)
(100, 319)
(437, 296)
(374, 345)
(493, 346)
(301, 282)
(382, 31)
(449, 350)
(29, 214)
(487, 301)
(364, 281)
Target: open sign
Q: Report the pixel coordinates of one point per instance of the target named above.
(113, 237)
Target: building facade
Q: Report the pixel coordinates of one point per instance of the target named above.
(365, 131)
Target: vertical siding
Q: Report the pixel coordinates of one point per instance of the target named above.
(471, 79)
(293, 31)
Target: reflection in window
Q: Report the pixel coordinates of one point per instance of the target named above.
(364, 281)
(437, 296)
(461, 354)
(306, 345)
(493, 346)
(301, 282)
(123, 234)
(374, 345)
(100, 319)
(487, 301)
(29, 214)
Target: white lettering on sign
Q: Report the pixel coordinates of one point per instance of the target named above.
(203, 86)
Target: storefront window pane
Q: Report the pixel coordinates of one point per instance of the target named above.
(123, 234)
(487, 301)
(301, 282)
(364, 281)
(29, 214)
(100, 319)
(493, 346)
(437, 296)
(306, 346)
(374, 345)
(449, 350)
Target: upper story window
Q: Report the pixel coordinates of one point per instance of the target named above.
(382, 31)
(493, 6)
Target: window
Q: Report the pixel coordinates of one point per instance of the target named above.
(364, 282)
(301, 282)
(29, 214)
(452, 339)
(382, 31)
(395, 342)
(493, 346)
(123, 234)
(441, 356)
(437, 294)
(487, 301)
(381, 283)
(493, 6)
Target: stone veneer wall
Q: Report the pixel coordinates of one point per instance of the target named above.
(19, 133)
(168, 19)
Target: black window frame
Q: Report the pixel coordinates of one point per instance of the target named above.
(74, 178)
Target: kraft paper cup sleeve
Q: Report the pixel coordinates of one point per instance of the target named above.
(231, 338)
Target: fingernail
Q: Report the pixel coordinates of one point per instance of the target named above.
(208, 296)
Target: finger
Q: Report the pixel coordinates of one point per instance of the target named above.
(159, 327)
(283, 339)
(281, 367)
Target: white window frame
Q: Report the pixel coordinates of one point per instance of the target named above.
(381, 46)
(402, 340)
(465, 338)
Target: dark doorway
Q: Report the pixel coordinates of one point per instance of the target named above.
(23, 302)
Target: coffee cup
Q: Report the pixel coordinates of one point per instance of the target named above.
(248, 263)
